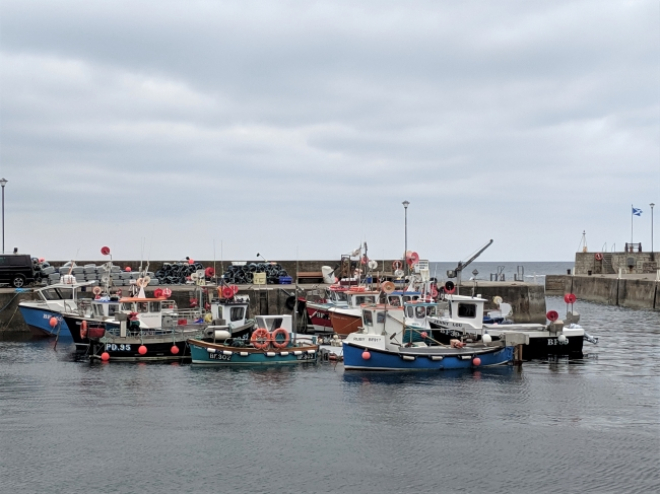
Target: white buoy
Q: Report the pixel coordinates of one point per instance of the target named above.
(487, 338)
(562, 339)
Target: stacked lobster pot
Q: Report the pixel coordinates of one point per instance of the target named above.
(101, 275)
(180, 273)
(243, 273)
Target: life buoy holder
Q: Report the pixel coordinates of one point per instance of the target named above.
(598, 256)
(83, 330)
(260, 338)
(397, 265)
(281, 343)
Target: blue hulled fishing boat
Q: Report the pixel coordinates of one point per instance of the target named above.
(397, 338)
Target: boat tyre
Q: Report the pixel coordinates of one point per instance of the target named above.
(18, 281)
(290, 302)
(260, 339)
(280, 343)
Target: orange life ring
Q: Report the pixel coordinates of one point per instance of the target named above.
(598, 256)
(280, 344)
(261, 338)
(397, 265)
(83, 330)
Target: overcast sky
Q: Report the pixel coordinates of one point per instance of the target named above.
(297, 128)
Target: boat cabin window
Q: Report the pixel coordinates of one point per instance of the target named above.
(364, 299)
(142, 307)
(154, 306)
(467, 310)
(341, 296)
(113, 309)
(430, 310)
(51, 294)
(380, 317)
(420, 312)
(236, 313)
(368, 317)
(410, 311)
(97, 310)
(168, 304)
(127, 307)
(220, 312)
(394, 301)
(409, 298)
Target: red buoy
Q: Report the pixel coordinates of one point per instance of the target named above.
(105, 356)
(52, 321)
(476, 361)
(570, 298)
(552, 315)
(128, 269)
(142, 350)
(227, 292)
(209, 272)
(366, 355)
(174, 350)
(158, 292)
(191, 261)
(425, 334)
(105, 250)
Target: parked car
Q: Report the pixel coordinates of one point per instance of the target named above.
(16, 269)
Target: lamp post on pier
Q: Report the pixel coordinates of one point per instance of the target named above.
(3, 182)
(405, 208)
(652, 253)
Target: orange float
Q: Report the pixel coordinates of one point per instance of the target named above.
(282, 343)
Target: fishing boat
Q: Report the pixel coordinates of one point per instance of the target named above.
(273, 342)
(318, 311)
(463, 318)
(346, 320)
(139, 329)
(228, 312)
(52, 301)
(388, 340)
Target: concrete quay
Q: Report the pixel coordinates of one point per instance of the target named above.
(634, 291)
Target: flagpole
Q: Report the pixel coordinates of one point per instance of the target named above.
(631, 226)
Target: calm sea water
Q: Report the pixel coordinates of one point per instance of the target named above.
(587, 425)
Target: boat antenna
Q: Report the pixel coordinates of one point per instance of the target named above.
(214, 273)
(295, 302)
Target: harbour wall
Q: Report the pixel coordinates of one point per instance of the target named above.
(594, 263)
(631, 292)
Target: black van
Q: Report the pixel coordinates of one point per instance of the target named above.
(16, 269)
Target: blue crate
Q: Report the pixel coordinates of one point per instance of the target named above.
(285, 280)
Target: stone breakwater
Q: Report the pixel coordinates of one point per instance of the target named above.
(631, 291)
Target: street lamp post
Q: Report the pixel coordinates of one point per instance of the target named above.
(405, 207)
(3, 182)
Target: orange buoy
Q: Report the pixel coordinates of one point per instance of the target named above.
(283, 343)
(105, 356)
(476, 361)
(260, 338)
(83, 330)
(174, 350)
(366, 355)
(142, 350)
(52, 322)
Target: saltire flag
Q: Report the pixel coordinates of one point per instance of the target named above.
(636, 211)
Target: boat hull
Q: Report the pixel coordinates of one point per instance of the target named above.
(390, 360)
(345, 324)
(38, 320)
(540, 346)
(127, 350)
(207, 353)
(319, 317)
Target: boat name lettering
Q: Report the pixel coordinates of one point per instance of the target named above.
(114, 348)
(219, 356)
(374, 339)
(307, 356)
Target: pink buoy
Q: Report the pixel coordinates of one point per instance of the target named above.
(366, 355)
(105, 356)
(476, 361)
(42, 259)
(191, 261)
(425, 334)
(105, 250)
(142, 350)
(167, 292)
(52, 321)
(174, 350)
(128, 269)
